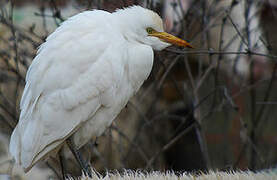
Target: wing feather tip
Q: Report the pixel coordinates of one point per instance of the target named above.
(15, 151)
(13, 146)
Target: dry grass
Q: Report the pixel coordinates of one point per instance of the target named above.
(137, 175)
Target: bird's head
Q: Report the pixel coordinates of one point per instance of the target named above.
(146, 26)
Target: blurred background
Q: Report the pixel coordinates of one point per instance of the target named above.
(213, 107)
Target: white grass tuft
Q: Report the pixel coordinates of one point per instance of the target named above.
(138, 175)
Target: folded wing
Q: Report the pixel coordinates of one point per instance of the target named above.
(63, 86)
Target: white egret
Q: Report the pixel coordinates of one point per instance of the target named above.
(81, 78)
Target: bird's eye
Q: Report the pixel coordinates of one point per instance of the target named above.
(150, 30)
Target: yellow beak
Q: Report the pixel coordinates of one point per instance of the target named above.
(171, 39)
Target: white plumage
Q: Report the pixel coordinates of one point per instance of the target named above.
(81, 78)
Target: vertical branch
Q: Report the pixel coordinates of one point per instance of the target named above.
(16, 58)
(253, 138)
(42, 11)
(266, 97)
